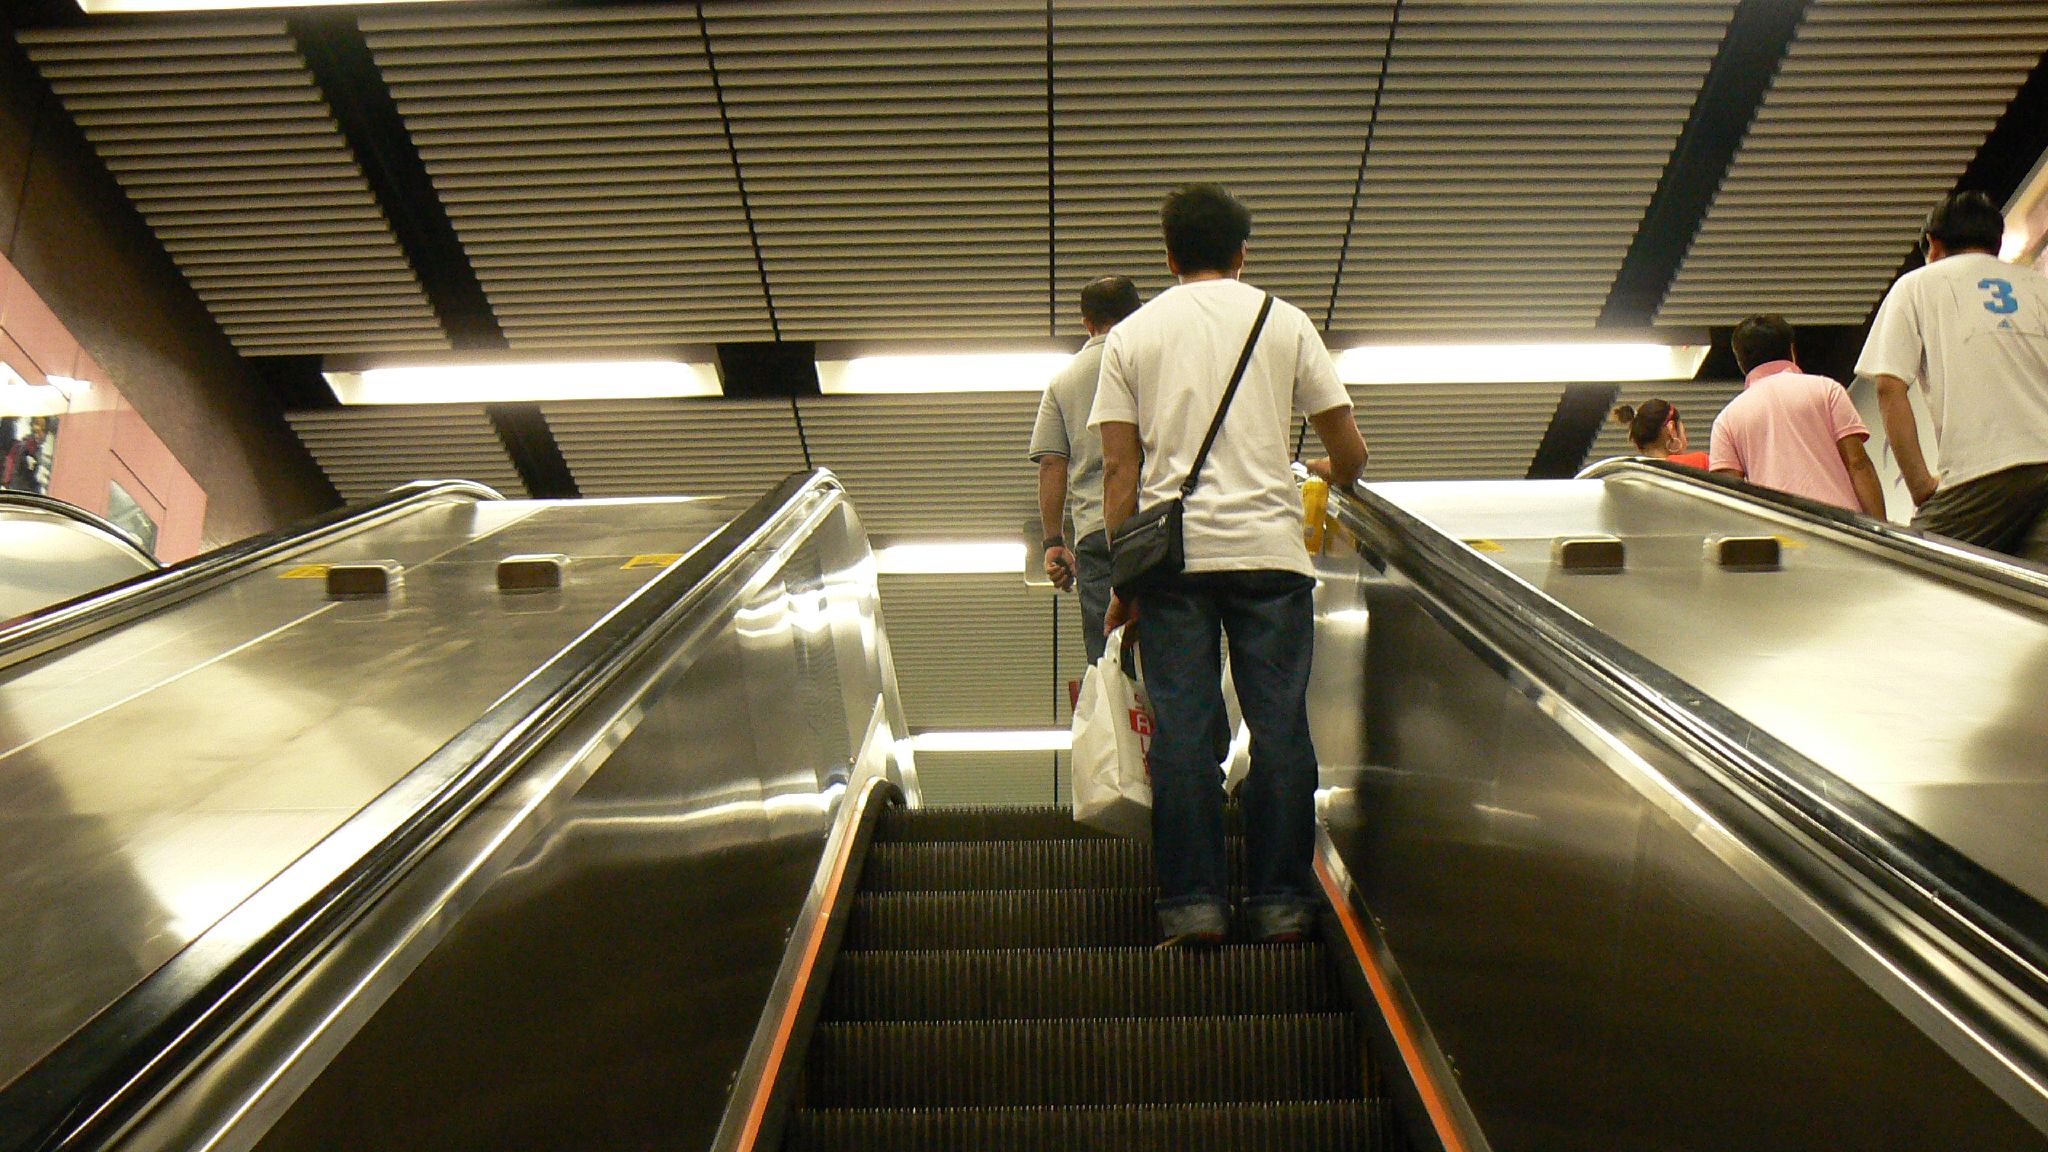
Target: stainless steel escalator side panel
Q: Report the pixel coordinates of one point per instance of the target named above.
(173, 789)
(51, 552)
(71, 621)
(590, 955)
(1614, 941)
(1912, 673)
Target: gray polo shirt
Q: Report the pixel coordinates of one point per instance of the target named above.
(1062, 430)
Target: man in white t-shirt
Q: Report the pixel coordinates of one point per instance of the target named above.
(1247, 575)
(1972, 331)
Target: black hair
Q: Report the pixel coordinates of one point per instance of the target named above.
(1760, 340)
(1109, 300)
(1966, 221)
(1205, 228)
(1645, 422)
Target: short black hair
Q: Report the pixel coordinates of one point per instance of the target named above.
(1966, 221)
(1109, 299)
(1205, 228)
(1760, 340)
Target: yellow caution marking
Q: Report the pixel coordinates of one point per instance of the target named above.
(1788, 542)
(304, 572)
(651, 560)
(1481, 544)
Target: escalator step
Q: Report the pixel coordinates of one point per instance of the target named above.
(1350, 1125)
(1022, 1063)
(1021, 985)
(912, 824)
(936, 866)
(1069, 918)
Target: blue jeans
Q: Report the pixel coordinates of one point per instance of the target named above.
(1269, 620)
(1091, 579)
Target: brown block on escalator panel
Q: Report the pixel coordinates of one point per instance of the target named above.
(532, 572)
(1745, 553)
(363, 581)
(1589, 555)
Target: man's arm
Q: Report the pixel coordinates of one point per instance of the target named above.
(1862, 475)
(1052, 512)
(1902, 431)
(1344, 443)
(1122, 457)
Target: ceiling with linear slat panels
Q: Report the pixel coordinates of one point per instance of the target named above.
(584, 165)
(1874, 114)
(1516, 149)
(221, 139)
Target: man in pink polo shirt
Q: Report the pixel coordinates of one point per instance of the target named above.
(1791, 431)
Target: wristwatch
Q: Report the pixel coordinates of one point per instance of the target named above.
(1055, 542)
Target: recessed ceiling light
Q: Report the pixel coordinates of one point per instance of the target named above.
(515, 383)
(1518, 363)
(950, 558)
(992, 372)
(987, 740)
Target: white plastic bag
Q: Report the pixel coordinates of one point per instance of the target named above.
(1112, 736)
(1113, 726)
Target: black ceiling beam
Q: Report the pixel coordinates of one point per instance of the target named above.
(1758, 37)
(347, 74)
(528, 440)
(1574, 426)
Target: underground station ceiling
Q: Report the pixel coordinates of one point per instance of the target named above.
(766, 183)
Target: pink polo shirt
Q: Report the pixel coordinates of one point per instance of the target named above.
(1782, 431)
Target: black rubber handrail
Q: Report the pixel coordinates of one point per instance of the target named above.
(78, 1096)
(70, 621)
(1925, 548)
(1956, 900)
(74, 513)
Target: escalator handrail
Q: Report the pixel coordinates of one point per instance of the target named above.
(72, 512)
(78, 1096)
(70, 621)
(1926, 549)
(1975, 912)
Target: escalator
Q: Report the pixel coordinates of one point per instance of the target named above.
(997, 988)
(51, 551)
(677, 890)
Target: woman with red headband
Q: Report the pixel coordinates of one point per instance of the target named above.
(1657, 432)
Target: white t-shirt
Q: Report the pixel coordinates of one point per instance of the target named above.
(1164, 369)
(1973, 331)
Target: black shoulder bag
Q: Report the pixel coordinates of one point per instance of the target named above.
(1148, 545)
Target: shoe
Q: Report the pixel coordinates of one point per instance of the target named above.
(1279, 923)
(1201, 941)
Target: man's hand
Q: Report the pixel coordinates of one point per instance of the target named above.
(1921, 488)
(1318, 467)
(1121, 612)
(1059, 564)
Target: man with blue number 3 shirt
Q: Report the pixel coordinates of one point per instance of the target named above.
(1972, 331)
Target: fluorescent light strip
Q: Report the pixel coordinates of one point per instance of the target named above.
(1518, 363)
(907, 375)
(1019, 740)
(517, 383)
(18, 397)
(951, 558)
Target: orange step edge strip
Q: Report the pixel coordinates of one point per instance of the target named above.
(1434, 1099)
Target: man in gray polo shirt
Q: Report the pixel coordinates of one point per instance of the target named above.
(1069, 457)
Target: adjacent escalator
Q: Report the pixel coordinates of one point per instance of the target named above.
(998, 987)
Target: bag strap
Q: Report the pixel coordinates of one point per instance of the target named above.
(1244, 359)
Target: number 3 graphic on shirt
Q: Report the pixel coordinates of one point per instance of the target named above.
(2002, 300)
